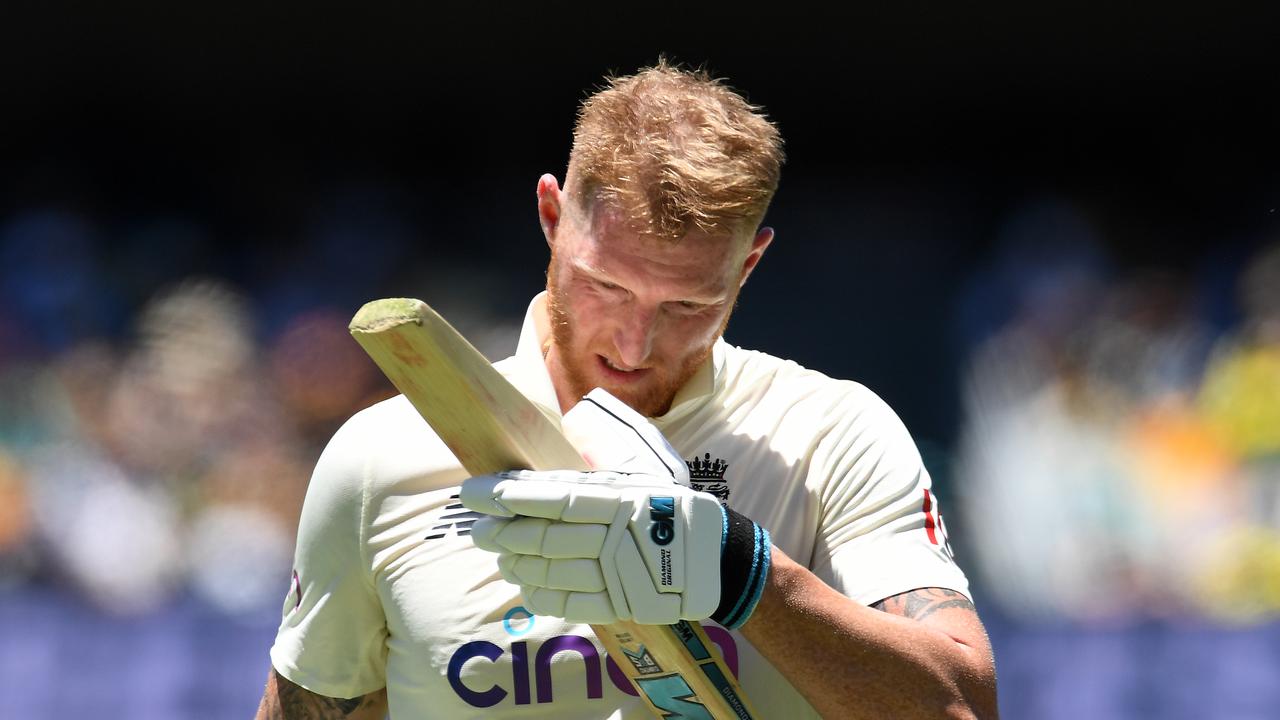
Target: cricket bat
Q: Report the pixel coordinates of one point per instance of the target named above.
(490, 426)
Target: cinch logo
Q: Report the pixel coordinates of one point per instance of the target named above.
(662, 511)
(531, 681)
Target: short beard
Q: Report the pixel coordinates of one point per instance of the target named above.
(654, 400)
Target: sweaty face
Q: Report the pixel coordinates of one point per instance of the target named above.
(636, 315)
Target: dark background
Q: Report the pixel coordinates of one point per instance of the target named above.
(912, 130)
(944, 162)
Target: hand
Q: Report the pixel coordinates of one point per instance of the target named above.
(602, 546)
(627, 544)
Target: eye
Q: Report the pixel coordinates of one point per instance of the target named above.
(608, 290)
(688, 307)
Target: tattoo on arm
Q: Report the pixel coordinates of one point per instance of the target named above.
(293, 702)
(315, 707)
(920, 604)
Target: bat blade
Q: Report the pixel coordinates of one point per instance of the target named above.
(490, 426)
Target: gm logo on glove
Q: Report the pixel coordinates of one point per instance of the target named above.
(662, 511)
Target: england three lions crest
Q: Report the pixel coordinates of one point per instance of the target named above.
(707, 475)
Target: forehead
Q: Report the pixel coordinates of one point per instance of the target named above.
(608, 246)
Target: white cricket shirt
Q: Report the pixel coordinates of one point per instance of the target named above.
(389, 591)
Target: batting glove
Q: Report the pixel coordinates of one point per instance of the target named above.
(602, 546)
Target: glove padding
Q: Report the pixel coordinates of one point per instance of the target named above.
(602, 546)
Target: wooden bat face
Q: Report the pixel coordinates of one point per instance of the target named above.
(490, 426)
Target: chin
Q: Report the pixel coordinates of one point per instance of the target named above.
(650, 403)
(650, 397)
(637, 399)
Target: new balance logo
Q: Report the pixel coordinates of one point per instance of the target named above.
(457, 521)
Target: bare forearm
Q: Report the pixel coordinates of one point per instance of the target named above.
(284, 700)
(852, 662)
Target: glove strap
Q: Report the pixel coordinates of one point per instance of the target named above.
(744, 567)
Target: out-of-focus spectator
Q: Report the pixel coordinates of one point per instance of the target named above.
(158, 428)
(1117, 457)
(1240, 401)
(140, 466)
(117, 540)
(1035, 467)
(319, 373)
(16, 557)
(1241, 394)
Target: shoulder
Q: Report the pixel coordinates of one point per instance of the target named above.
(842, 426)
(752, 376)
(364, 435)
(378, 447)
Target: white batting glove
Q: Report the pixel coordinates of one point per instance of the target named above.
(602, 546)
(631, 544)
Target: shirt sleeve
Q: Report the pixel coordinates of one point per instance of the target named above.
(880, 529)
(332, 635)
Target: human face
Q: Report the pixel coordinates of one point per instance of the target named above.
(633, 314)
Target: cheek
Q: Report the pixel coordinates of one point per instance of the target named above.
(587, 315)
(689, 335)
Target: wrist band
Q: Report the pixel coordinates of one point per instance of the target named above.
(744, 568)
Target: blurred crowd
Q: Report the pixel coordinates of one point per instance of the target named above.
(158, 428)
(1118, 457)
(1120, 449)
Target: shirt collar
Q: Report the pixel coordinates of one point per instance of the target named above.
(529, 366)
(531, 376)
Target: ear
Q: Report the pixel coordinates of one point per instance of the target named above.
(549, 206)
(759, 244)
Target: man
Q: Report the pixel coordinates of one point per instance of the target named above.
(862, 613)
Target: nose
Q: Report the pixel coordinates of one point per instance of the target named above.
(633, 337)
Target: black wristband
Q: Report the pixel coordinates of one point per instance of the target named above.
(744, 568)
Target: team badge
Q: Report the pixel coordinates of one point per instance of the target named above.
(707, 475)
